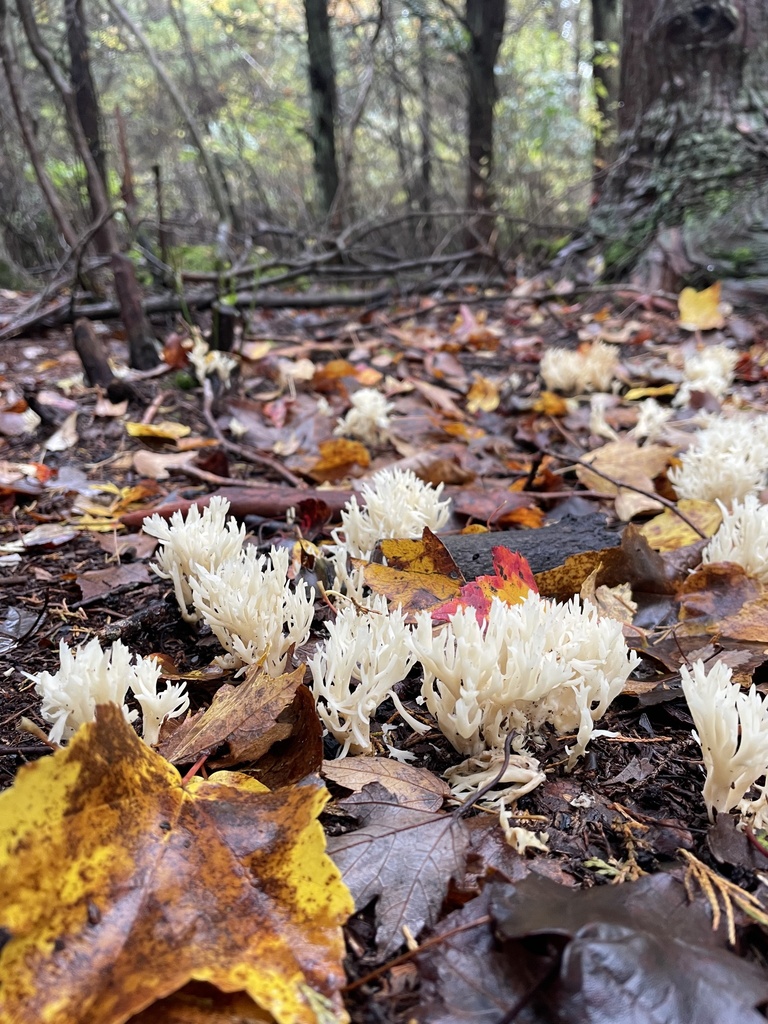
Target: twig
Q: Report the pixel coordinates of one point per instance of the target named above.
(405, 957)
(629, 487)
(247, 454)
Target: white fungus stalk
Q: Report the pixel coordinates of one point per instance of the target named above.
(742, 538)
(251, 608)
(727, 460)
(589, 368)
(365, 655)
(89, 676)
(528, 664)
(199, 541)
(396, 503)
(709, 371)
(732, 731)
(368, 419)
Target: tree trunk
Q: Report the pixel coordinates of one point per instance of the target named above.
(485, 24)
(606, 41)
(213, 177)
(687, 199)
(322, 89)
(143, 354)
(425, 131)
(11, 66)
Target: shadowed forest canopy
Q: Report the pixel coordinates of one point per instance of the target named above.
(161, 137)
(219, 114)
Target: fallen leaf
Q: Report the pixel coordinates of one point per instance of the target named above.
(120, 885)
(157, 466)
(550, 404)
(721, 599)
(512, 582)
(427, 555)
(636, 952)
(65, 437)
(625, 462)
(413, 591)
(244, 718)
(413, 787)
(404, 856)
(338, 458)
(165, 430)
(49, 535)
(98, 583)
(701, 311)
(483, 396)
(668, 532)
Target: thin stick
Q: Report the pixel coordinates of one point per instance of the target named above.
(629, 487)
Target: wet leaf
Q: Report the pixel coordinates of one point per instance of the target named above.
(667, 531)
(701, 311)
(427, 555)
(65, 437)
(414, 591)
(625, 462)
(119, 885)
(721, 599)
(165, 430)
(483, 396)
(512, 582)
(404, 856)
(244, 718)
(98, 583)
(414, 787)
(636, 952)
(338, 458)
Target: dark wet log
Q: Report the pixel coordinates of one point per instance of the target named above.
(544, 549)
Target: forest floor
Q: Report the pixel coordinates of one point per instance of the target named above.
(627, 829)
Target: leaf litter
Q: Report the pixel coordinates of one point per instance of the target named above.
(468, 407)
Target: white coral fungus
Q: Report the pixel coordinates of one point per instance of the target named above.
(742, 538)
(589, 368)
(255, 614)
(199, 541)
(396, 504)
(368, 419)
(365, 656)
(528, 664)
(207, 361)
(732, 730)
(727, 460)
(710, 371)
(651, 419)
(90, 676)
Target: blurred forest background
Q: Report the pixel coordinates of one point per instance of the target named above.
(208, 133)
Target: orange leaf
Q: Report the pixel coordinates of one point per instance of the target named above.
(512, 583)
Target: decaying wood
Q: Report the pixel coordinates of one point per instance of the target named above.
(92, 354)
(544, 549)
(268, 501)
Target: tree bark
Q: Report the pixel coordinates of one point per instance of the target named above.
(687, 199)
(485, 23)
(606, 41)
(322, 89)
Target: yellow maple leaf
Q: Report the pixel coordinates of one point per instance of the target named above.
(700, 311)
(119, 885)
